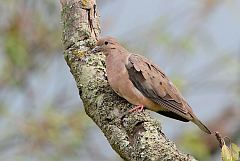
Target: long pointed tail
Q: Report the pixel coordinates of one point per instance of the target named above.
(201, 125)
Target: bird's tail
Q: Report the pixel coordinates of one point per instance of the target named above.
(201, 125)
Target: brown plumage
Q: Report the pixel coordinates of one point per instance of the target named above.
(141, 82)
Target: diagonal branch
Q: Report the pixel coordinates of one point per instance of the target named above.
(134, 136)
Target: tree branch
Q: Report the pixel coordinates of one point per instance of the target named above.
(134, 136)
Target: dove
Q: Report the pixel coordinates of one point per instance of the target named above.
(143, 84)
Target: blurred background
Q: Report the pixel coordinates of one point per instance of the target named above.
(197, 43)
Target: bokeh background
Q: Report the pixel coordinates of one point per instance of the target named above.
(197, 43)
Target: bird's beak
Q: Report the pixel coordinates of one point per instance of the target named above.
(96, 49)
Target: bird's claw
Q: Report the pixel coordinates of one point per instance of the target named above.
(138, 108)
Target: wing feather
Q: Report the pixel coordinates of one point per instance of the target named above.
(149, 79)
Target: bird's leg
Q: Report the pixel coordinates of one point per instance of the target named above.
(138, 108)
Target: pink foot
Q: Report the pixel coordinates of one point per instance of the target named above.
(138, 108)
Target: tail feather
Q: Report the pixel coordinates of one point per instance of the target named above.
(201, 125)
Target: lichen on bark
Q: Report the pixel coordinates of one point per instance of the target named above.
(134, 136)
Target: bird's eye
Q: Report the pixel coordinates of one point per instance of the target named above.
(105, 42)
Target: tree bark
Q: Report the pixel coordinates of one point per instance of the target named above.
(134, 136)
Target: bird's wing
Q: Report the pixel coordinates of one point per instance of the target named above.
(154, 84)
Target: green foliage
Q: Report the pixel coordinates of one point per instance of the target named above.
(30, 43)
(235, 150)
(53, 127)
(61, 132)
(26, 37)
(193, 144)
(16, 49)
(179, 82)
(164, 38)
(3, 110)
(230, 154)
(187, 44)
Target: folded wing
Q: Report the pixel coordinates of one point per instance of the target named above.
(154, 84)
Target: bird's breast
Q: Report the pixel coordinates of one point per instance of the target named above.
(119, 81)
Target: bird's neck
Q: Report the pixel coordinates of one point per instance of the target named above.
(116, 61)
(120, 56)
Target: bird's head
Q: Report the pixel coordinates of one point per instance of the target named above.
(106, 45)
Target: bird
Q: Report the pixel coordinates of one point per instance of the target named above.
(143, 84)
